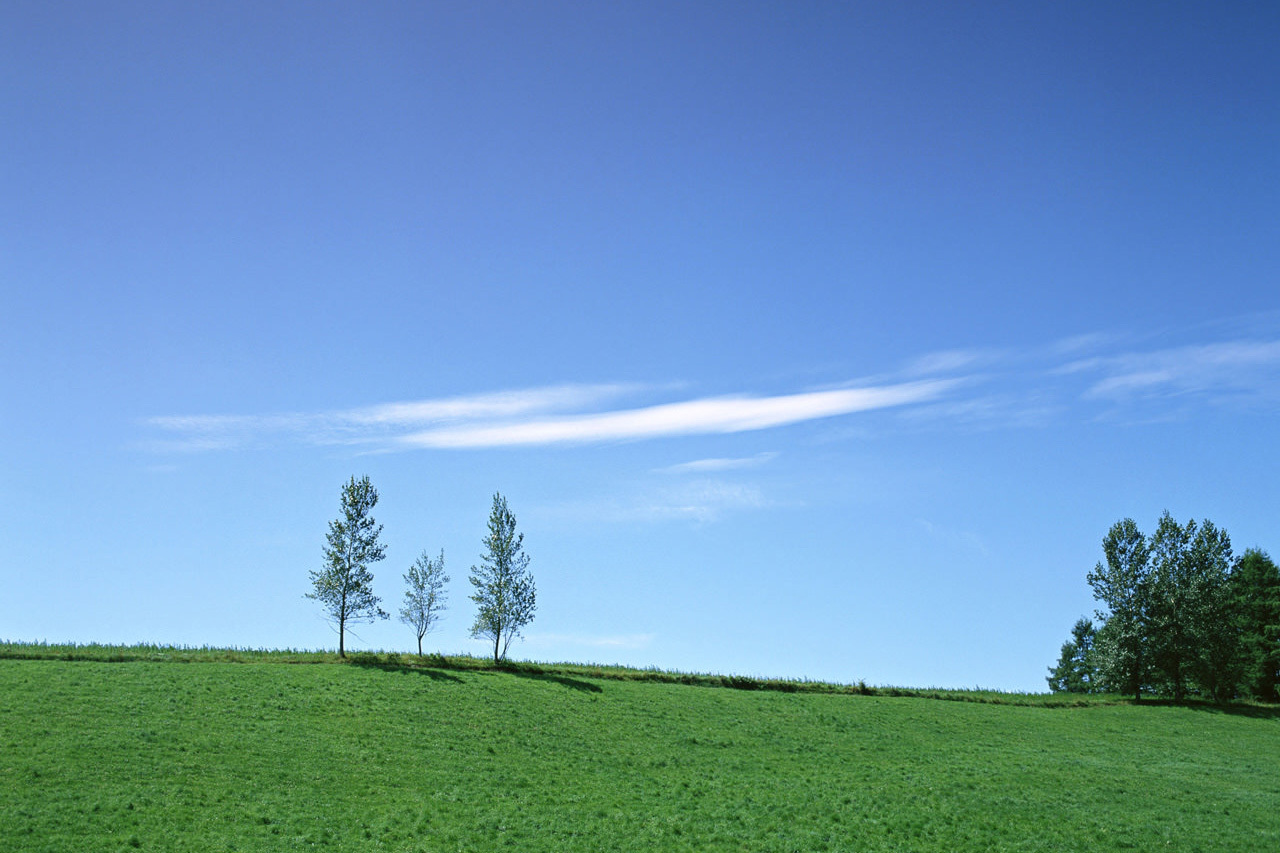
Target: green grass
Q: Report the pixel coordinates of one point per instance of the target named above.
(236, 751)
(207, 654)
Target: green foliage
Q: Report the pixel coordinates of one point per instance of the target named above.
(1124, 586)
(1075, 672)
(1183, 619)
(374, 755)
(1255, 596)
(424, 597)
(505, 596)
(345, 585)
(1188, 612)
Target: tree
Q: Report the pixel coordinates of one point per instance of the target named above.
(1124, 585)
(1172, 634)
(345, 585)
(1217, 666)
(1075, 670)
(424, 600)
(504, 592)
(1190, 635)
(1255, 593)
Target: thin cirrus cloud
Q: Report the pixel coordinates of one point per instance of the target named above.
(538, 416)
(380, 422)
(702, 500)
(691, 417)
(1237, 368)
(501, 404)
(952, 360)
(702, 466)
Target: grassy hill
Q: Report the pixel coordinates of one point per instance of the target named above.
(216, 754)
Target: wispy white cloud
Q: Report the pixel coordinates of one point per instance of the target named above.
(381, 422)
(501, 404)
(1248, 368)
(702, 466)
(991, 411)
(1026, 387)
(950, 361)
(691, 417)
(701, 501)
(704, 500)
(1076, 345)
(536, 416)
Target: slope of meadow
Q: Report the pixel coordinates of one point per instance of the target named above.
(160, 755)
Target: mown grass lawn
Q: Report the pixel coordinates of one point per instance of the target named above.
(272, 756)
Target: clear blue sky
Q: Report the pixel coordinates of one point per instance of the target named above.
(804, 339)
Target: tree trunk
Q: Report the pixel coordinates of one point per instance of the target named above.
(342, 621)
(419, 646)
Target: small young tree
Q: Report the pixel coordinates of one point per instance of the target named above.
(1075, 671)
(345, 586)
(424, 598)
(504, 592)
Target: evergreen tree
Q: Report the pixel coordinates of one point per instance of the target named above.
(1255, 596)
(1075, 670)
(345, 585)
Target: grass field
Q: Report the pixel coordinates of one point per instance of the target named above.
(263, 755)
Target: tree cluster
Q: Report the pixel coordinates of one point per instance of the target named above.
(504, 591)
(1182, 617)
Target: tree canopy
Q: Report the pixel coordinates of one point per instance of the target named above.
(344, 586)
(1181, 617)
(504, 593)
(424, 596)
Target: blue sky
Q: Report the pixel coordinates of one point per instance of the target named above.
(815, 340)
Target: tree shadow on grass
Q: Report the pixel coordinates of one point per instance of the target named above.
(1233, 709)
(571, 683)
(405, 669)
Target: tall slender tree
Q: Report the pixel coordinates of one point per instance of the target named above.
(1124, 586)
(424, 596)
(345, 585)
(504, 594)
(1172, 635)
(1216, 667)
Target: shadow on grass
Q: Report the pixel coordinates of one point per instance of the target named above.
(405, 669)
(523, 671)
(573, 683)
(435, 666)
(1233, 709)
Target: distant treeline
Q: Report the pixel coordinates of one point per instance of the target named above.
(1184, 617)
